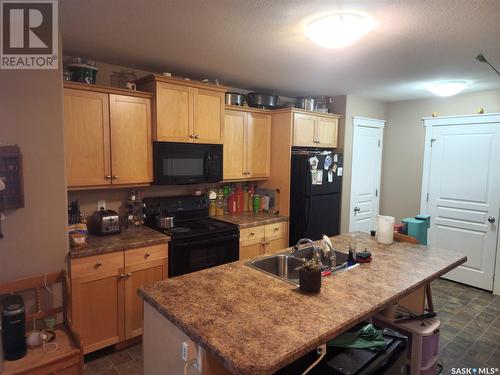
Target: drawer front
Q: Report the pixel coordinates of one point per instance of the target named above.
(97, 264)
(145, 254)
(252, 235)
(276, 230)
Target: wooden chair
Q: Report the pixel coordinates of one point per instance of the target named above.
(67, 359)
(416, 300)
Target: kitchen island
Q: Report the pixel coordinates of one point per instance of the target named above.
(252, 323)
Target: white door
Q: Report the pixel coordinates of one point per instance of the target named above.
(464, 198)
(365, 177)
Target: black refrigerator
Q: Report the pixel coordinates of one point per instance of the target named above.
(315, 191)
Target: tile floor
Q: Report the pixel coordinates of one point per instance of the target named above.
(470, 326)
(470, 334)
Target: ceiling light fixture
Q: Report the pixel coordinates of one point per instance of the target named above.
(448, 88)
(339, 29)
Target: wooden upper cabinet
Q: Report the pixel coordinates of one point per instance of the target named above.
(174, 119)
(86, 136)
(234, 145)
(185, 111)
(310, 130)
(131, 154)
(326, 132)
(247, 144)
(107, 136)
(208, 116)
(258, 145)
(304, 130)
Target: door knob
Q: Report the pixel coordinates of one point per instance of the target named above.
(491, 219)
(357, 209)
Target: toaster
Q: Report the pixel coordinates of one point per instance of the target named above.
(105, 222)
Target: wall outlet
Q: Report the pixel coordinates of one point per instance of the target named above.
(188, 351)
(101, 204)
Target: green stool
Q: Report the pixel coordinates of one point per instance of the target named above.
(417, 227)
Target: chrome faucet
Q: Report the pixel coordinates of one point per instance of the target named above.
(316, 249)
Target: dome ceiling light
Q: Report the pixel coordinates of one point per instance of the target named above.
(340, 29)
(448, 88)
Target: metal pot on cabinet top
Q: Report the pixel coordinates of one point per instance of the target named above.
(259, 100)
(235, 98)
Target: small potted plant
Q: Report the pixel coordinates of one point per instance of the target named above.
(310, 275)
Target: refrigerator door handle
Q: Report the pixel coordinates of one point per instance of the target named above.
(308, 196)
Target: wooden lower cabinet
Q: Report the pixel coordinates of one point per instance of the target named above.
(105, 306)
(263, 240)
(136, 277)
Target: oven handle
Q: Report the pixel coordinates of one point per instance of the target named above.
(208, 241)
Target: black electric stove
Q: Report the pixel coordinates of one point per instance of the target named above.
(197, 241)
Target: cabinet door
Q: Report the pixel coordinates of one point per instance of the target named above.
(258, 142)
(208, 116)
(131, 155)
(136, 276)
(276, 245)
(86, 138)
(174, 115)
(234, 145)
(250, 251)
(98, 308)
(304, 130)
(326, 132)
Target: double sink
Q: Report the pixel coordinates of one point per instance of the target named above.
(284, 265)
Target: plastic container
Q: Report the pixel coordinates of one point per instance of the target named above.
(385, 229)
(417, 227)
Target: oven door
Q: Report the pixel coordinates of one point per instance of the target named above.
(195, 254)
(186, 163)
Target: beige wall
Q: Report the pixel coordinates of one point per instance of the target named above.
(351, 106)
(404, 146)
(35, 239)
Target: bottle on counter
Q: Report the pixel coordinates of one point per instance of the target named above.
(226, 190)
(219, 205)
(256, 203)
(245, 199)
(239, 199)
(251, 193)
(212, 208)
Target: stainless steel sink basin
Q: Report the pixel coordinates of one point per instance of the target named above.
(283, 266)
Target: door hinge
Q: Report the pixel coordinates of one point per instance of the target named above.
(427, 197)
(379, 143)
(433, 140)
(376, 193)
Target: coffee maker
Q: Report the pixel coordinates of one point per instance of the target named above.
(13, 327)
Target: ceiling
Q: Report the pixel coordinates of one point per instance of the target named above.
(259, 44)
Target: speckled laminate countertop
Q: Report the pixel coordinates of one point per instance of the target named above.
(251, 219)
(257, 324)
(131, 238)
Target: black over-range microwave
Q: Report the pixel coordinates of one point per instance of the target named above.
(186, 163)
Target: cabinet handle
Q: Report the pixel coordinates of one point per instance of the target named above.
(121, 276)
(196, 136)
(115, 177)
(128, 274)
(267, 243)
(98, 264)
(108, 177)
(147, 255)
(252, 234)
(276, 229)
(263, 243)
